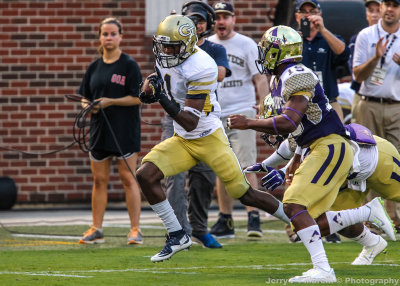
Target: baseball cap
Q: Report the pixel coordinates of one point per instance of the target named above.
(224, 7)
(314, 3)
(395, 1)
(195, 9)
(370, 1)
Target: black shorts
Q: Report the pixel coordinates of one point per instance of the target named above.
(101, 155)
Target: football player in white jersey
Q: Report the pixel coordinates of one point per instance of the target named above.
(185, 86)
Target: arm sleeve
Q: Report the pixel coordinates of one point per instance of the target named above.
(221, 58)
(360, 55)
(84, 89)
(134, 78)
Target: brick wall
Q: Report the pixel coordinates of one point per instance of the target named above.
(45, 47)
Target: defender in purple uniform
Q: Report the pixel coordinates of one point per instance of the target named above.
(304, 111)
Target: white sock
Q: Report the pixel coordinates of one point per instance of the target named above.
(341, 219)
(311, 237)
(281, 214)
(367, 238)
(167, 215)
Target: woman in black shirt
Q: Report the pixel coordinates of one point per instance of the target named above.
(113, 80)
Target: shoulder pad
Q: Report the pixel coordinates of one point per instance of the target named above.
(297, 82)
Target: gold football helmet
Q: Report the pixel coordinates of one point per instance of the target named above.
(278, 45)
(174, 41)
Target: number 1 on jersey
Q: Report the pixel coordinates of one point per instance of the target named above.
(167, 80)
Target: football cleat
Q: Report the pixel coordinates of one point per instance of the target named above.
(332, 238)
(207, 241)
(93, 235)
(175, 242)
(380, 218)
(368, 254)
(315, 275)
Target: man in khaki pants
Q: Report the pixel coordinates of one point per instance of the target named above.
(376, 65)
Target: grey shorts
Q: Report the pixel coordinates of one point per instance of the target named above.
(243, 142)
(99, 156)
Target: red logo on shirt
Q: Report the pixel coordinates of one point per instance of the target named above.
(119, 79)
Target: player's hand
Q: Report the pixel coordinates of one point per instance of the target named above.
(294, 165)
(256, 168)
(151, 89)
(273, 179)
(156, 83)
(237, 121)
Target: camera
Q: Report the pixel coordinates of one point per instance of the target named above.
(305, 27)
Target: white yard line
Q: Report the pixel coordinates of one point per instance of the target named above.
(43, 274)
(176, 270)
(46, 236)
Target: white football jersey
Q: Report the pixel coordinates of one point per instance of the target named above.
(196, 77)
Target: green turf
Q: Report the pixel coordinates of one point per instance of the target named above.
(38, 261)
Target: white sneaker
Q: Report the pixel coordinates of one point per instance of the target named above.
(367, 255)
(315, 275)
(380, 218)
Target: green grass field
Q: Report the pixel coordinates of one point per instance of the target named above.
(267, 261)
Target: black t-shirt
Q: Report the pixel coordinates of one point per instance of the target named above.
(115, 80)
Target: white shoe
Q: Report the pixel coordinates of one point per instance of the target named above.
(380, 218)
(173, 244)
(315, 275)
(367, 255)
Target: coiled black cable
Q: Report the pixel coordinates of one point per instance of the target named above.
(80, 130)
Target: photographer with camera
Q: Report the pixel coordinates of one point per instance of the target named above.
(322, 50)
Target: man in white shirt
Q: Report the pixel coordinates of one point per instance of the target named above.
(376, 65)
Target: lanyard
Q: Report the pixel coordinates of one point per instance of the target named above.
(388, 47)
